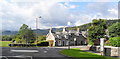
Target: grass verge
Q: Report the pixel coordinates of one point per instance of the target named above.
(4, 43)
(76, 52)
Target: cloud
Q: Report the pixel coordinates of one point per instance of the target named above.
(26, 13)
(53, 14)
(68, 5)
(105, 10)
(113, 11)
(66, 0)
(69, 23)
(83, 19)
(94, 0)
(73, 6)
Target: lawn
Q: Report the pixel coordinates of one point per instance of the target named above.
(76, 52)
(4, 43)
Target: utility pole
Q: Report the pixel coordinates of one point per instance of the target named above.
(36, 23)
(37, 26)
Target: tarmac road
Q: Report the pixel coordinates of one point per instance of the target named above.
(32, 53)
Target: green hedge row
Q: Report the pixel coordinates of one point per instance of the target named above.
(30, 45)
(43, 44)
(22, 45)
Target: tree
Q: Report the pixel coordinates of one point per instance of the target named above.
(115, 41)
(26, 34)
(41, 38)
(97, 30)
(114, 30)
(114, 33)
(31, 36)
(6, 37)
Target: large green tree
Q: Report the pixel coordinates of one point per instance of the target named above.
(26, 34)
(31, 36)
(114, 30)
(96, 30)
(114, 33)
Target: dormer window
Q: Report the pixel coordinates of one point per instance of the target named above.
(66, 36)
(58, 36)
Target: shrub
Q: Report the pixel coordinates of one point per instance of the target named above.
(107, 43)
(115, 41)
(90, 42)
(43, 43)
(22, 45)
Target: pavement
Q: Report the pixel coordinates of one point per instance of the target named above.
(32, 53)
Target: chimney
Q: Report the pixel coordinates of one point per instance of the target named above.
(63, 29)
(78, 29)
(50, 31)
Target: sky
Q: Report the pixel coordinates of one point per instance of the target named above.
(54, 13)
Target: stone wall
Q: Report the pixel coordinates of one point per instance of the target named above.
(114, 51)
(108, 50)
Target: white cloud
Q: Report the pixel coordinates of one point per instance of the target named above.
(59, 26)
(104, 10)
(113, 11)
(54, 14)
(78, 23)
(69, 23)
(68, 5)
(66, 0)
(22, 13)
(83, 20)
(94, 0)
(73, 6)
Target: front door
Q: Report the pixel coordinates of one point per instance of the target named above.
(59, 43)
(51, 43)
(63, 43)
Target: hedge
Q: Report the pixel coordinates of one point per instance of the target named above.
(44, 43)
(22, 45)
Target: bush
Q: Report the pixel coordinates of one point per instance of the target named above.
(22, 45)
(90, 42)
(107, 43)
(43, 43)
(17, 40)
(115, 41)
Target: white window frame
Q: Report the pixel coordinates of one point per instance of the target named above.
(59, 43)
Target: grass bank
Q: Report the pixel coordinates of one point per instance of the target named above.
(4, 43)
(76, 52)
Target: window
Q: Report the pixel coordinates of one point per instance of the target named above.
(58, 36)
(67, 42)
(59, 42)
(66, 36)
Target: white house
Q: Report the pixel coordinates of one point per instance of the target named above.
(65, 38)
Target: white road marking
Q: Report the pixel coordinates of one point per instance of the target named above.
(3, 57)
(24, 51)
(17, 56)
(45, 51)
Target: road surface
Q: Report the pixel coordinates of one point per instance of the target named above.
(32, 53)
